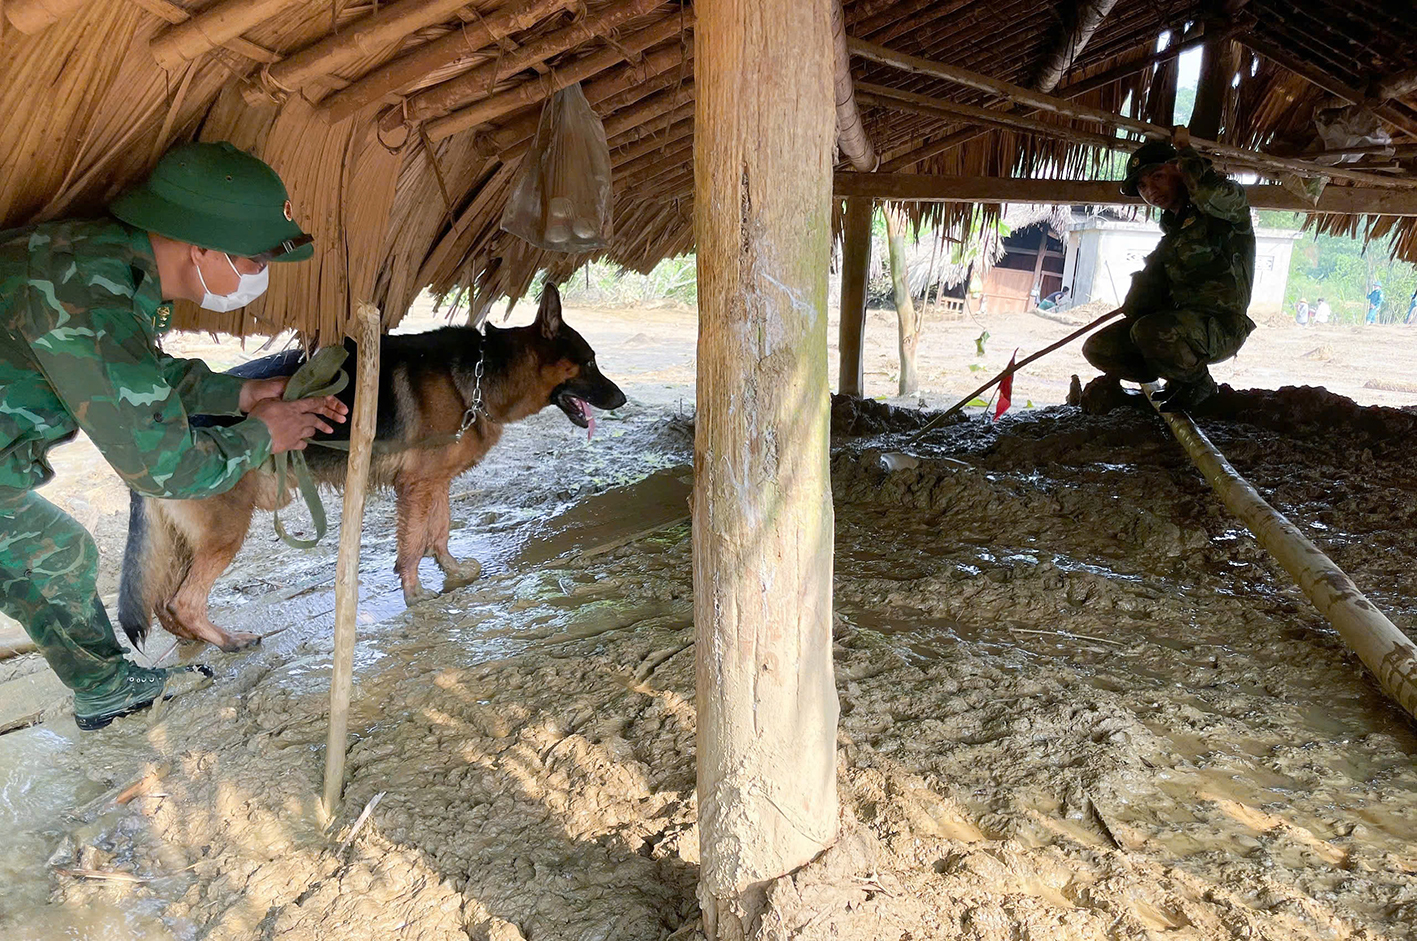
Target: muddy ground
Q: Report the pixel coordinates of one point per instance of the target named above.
(1078, 701)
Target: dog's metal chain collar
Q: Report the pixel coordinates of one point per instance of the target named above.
(470, 416)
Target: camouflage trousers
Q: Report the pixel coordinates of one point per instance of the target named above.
(48, 579)
(1173, 344)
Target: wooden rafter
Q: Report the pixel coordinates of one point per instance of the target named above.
(922, 187)
(1070, 109)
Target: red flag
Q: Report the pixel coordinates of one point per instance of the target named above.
(1006, 390)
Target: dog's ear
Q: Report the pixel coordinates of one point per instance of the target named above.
(548, 315)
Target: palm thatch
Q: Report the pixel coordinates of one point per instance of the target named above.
(399, 126)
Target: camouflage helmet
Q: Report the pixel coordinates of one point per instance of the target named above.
(1146, 157)
(217, 196)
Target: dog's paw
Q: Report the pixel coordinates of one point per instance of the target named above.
(417, 595)
(461, 574)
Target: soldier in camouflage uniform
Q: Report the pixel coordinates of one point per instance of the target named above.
(81, 307)
(1187, 307)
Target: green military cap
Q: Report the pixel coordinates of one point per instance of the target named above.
(1146, 157)
(217, 196)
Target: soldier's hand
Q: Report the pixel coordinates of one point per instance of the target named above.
(292, 423)
(258, 390)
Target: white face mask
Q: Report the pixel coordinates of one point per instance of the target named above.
(250, 287)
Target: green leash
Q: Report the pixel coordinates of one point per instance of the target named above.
(320, 376)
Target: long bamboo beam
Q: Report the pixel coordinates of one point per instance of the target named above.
(1399, 85)
(365, 37)
(1069, 109)
(539, 89)
(1385, 650)
(1090, 14)
(615, 90)
(441, 52)
(210, 28)
(920, 187)
(899, 100)
(174, 14)
(35, 16)
(851, 135)
(480, 82)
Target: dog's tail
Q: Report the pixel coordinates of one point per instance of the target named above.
(154, 561)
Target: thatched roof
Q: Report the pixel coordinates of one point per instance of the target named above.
(398, 126)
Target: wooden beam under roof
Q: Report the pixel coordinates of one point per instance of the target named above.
(921, 187)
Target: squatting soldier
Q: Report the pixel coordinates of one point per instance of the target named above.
(1187, 307)
(81, 306)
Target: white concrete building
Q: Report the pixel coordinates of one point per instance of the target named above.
(1102, 253)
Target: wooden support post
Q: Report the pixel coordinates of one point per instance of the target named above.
(907, 321)
(762, 532)
(1038, 263)
(215, 25)
(356, 478)
(855, 270)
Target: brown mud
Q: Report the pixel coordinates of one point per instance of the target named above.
(1078, 702)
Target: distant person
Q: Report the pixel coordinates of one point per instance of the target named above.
(1056, 299)
(1187, 308)
(1301, 312)
(1411, 308)
(1375, 301)
(1321, 311)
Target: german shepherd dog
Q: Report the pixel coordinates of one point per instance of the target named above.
(428, 385)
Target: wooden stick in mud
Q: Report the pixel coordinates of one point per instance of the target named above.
(1010, 370)
(361, 446)
(1386, 650)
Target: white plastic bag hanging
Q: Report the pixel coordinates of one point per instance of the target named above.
(561, 201)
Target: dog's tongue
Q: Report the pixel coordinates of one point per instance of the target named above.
(589, 420)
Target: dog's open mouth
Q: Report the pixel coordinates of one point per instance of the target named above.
(579, 411)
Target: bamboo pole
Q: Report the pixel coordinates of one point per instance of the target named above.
(172, 13)
(1384, 649)
(762, 534)
(675, 104)
(441, 52)
(1010, 370)
(850, 130)
(1069, 109)
(215, 25)
(539, 89)
(479, 82)
(1088, 17)
(35, 16)
(360, 39)
(361, 446)
(608, 94)
(855, 268)
(920, 187)
(937, 107)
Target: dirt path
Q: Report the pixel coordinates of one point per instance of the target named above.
(1077, 700)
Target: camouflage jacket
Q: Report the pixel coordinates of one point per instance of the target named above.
(1206, 258)
(80, 313)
